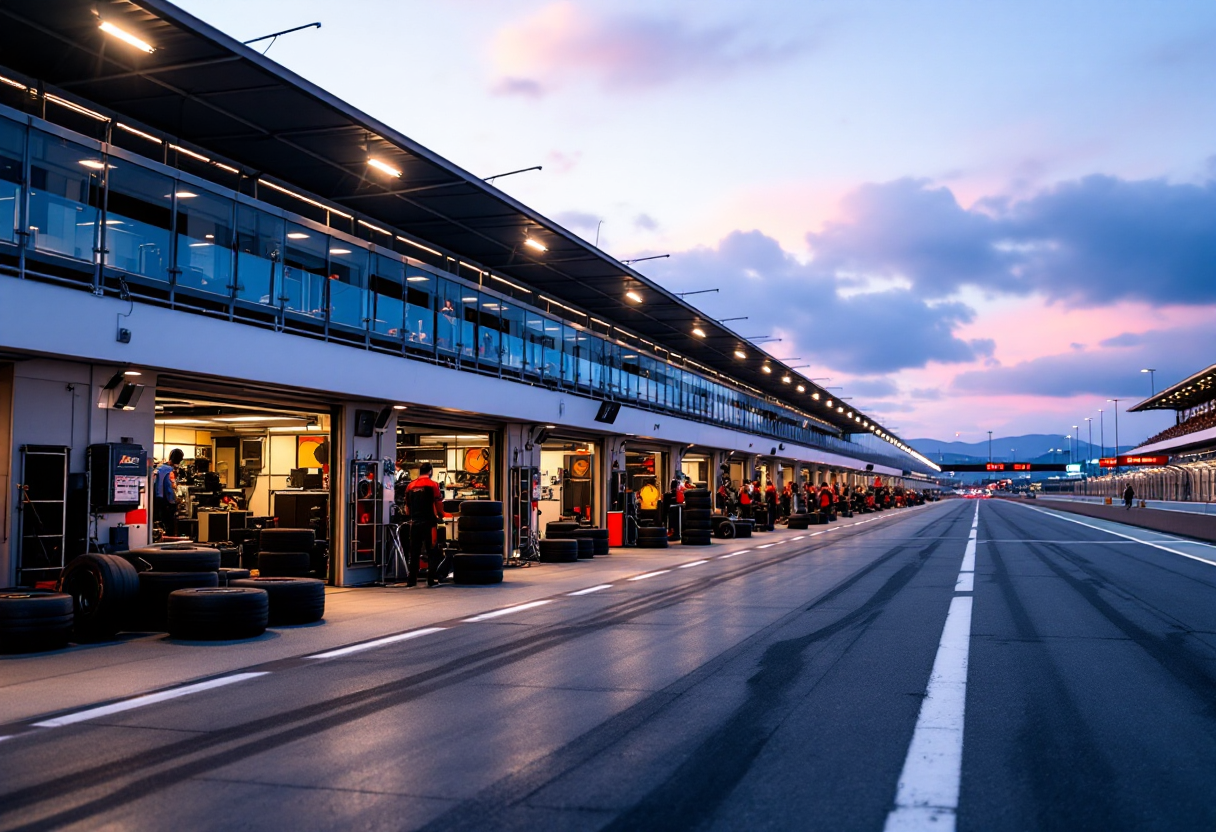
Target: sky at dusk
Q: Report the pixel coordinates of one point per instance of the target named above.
(970, 216)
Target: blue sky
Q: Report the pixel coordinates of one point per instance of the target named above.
(973, 216)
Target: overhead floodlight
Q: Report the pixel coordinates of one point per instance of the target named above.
(697, 331)
(801, 388)
(383, 167)
(828, 403)
(767, 368)
(126, 37)
(740, 354)
(786, 379)
(815, 396)
(530, 243)
(633, 296)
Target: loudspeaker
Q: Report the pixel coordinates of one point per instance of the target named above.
(607, 412)
(365, 422)
(128, 397)
(870, 466)
(383, 416)
(540, 438)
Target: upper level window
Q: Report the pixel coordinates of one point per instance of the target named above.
(65, 192)
(139, 212)
(12, 151)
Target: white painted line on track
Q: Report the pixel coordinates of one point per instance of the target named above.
(799, 537)
(486, 616)
(732, 554)
(927, 796)
(965, 582)
(1128, 536)
(969, 556)
(147, 699)
(767, 546)
(694, 563)
(814, 534)
(646, 575)
(590, 590)
(371, 645)
(9, 737)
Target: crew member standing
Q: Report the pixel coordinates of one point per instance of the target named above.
(770, 498)
(424, 507)
(164, 493)
(1129, 496)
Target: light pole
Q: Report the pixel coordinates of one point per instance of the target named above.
(1077, 441)
(1102, 430)
(1152, 378)
(1089, 449)
(1116, 401)
(1069, 438)
(990, 446)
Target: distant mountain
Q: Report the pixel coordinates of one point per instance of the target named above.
(1034, 447)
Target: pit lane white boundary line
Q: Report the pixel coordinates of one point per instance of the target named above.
(486, 616)
(147, 699)
(929, 785)
(1059, 516)
(380, 642)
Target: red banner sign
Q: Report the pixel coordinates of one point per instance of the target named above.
(1120, 461)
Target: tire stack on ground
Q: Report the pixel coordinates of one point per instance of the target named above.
(166, 569)
(481, 538)
(285, 553)
(652, 537)
(219, 613)
(798, 522)
(744, 528)
(558, 550)
(698, 523)
(599, 537)
(289, 600)
(561, 529)
(34, 619)
(104, 591)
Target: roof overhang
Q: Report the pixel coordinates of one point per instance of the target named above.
(1196, 389)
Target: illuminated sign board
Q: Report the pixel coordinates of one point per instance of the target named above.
(999, 467)
(1120, 461)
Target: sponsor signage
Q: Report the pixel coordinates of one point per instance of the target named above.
(1001, 467)
(1120, 461)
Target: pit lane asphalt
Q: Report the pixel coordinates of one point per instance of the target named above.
(776, 689)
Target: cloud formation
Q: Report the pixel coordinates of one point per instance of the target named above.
(866, 333)
(1088, 242)
(623, 52)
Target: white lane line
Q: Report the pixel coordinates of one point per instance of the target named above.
(486, 616)
(927, 796)
(371, 645)
(815, 534)
(694, 563)
(767, 546)
(969, 556)
(799, 537)
(965, 582)
(590, 590)
(649, 575)
(732, 554)
(148, 699)
(1126, 536)
(9, 737)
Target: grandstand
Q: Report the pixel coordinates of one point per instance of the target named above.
(1190, 444)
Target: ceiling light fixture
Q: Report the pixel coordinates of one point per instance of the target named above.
(801, 388)
(126, 37)
(297, 235)
(384, 167)
(633, 296)
(786, 379)
(697, 331)
(530, 243)
(740, 354)
(767, 368)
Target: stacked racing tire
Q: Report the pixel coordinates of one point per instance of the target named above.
(32, 620)
(559, 550)
(289, 600)
(218, 613)
(698, 521)
(286, 553)
(164, 569)
(481, 536)
(104, 591)
(599, 537)
(652, 537)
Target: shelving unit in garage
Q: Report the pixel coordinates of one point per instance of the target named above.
(365, 506)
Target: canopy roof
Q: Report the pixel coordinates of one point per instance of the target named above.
(1197, 389)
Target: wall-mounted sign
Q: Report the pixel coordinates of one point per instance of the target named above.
(1121, 461)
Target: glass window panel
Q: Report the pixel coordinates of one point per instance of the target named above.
(551, 366)
(387, 295)
(466, 340)
(512, 327)
(348, 264)
(489, 343)
(420, 307)
(534, 343)
(304, 271)
(204, 243)
(139, 211)
(12, 151)
(629, 373)
(569, 366)
(259, 251)
(449, 326)
(65, 188)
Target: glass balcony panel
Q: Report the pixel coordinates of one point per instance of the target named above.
(569, 363)
(65, 191)
(387, 295)
(534, 344)
(12, 152)
(204, 243)
(139, 213)
(259, 253)
(489, 336)
(302, 288)
(348, 267)
(512, 327)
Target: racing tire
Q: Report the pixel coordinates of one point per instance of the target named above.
(292, 600)
(594, 534)
(743, 529)
(653, 543)
(104, 591)
(696, 539)
(286, 540)
(481, 577)
(475, 563)
(480, 523)
(178, 557)
(560, 529)
(284, 564)
(481, 508)
(228, 574)
(152, 608)
(230, 556)
(726, 530)
(558, 551)
(33, 620)
(480, 550)
(489, 538)
(601, 547)
(586, 548)
(218, 614)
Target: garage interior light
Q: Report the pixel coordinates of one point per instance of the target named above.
(767, 368)
(384, 167)
(126, 37)
(801, 388)
(786, 379)
(633, 296)
(297, 235)
(697, 331)
(530, 243)
(740, 354)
